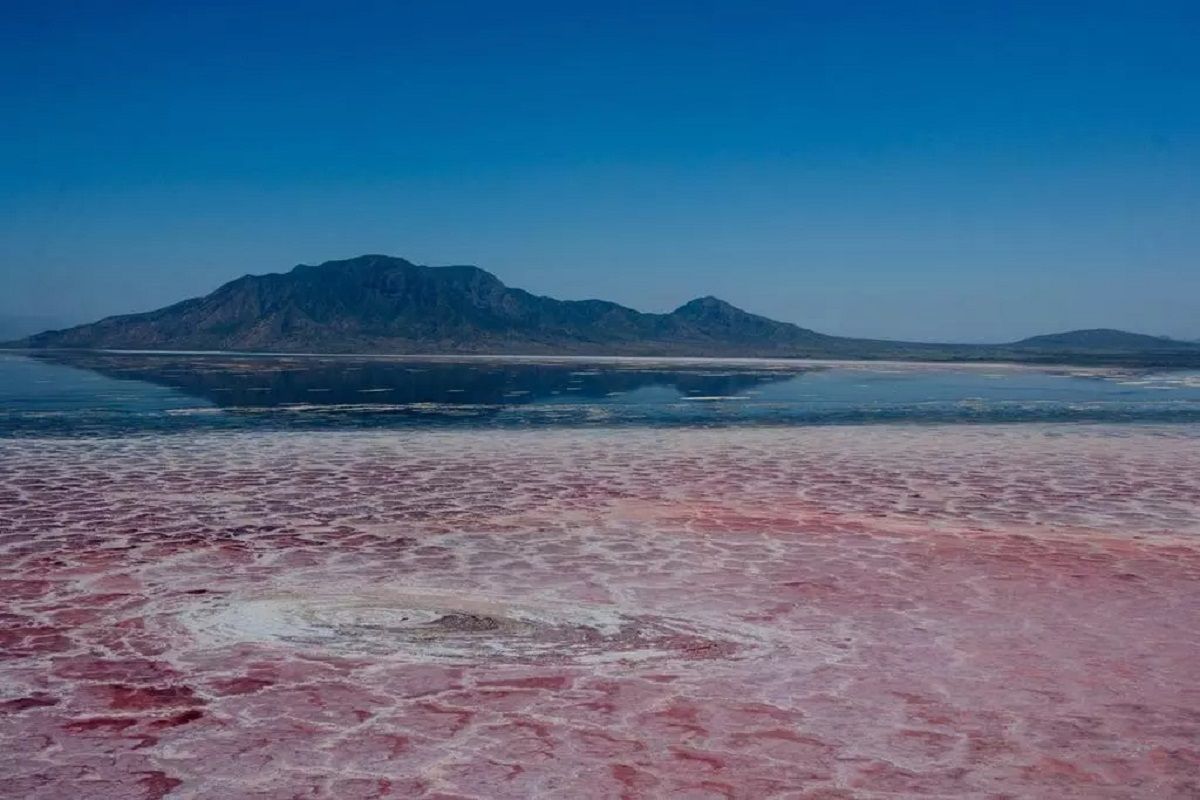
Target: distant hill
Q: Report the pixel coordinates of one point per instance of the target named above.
(1101, 339)
(381, 304)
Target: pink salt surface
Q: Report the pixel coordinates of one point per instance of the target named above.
(966, 612)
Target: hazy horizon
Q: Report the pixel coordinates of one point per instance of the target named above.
(971, 174)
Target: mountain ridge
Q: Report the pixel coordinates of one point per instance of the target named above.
(377, 303)
(1100, 338)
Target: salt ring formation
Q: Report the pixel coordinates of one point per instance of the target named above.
(450, 627)
(845, 611)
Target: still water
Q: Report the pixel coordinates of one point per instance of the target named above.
(121, 394)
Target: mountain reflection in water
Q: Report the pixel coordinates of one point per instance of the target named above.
(265, 382)
(71, 393)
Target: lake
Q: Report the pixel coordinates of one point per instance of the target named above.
(93, 393)
(351, 577)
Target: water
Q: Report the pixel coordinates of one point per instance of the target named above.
(120, 394)
(369, 578)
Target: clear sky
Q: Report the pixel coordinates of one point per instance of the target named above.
(927, 170)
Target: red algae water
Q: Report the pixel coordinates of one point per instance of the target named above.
(957, 611)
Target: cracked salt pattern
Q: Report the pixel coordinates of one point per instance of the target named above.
(836, 612)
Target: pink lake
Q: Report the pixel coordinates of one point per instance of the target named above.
(961, 611)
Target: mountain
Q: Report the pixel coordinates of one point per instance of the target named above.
(378, 303)
(381, 304)
(1100, 339)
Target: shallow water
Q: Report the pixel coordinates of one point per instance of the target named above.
(123, 394)
(514, 606)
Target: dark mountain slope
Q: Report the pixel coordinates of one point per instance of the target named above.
(381, 304)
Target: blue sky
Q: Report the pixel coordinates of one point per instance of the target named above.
(926, 170)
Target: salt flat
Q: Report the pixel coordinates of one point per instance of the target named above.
(858, 611)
